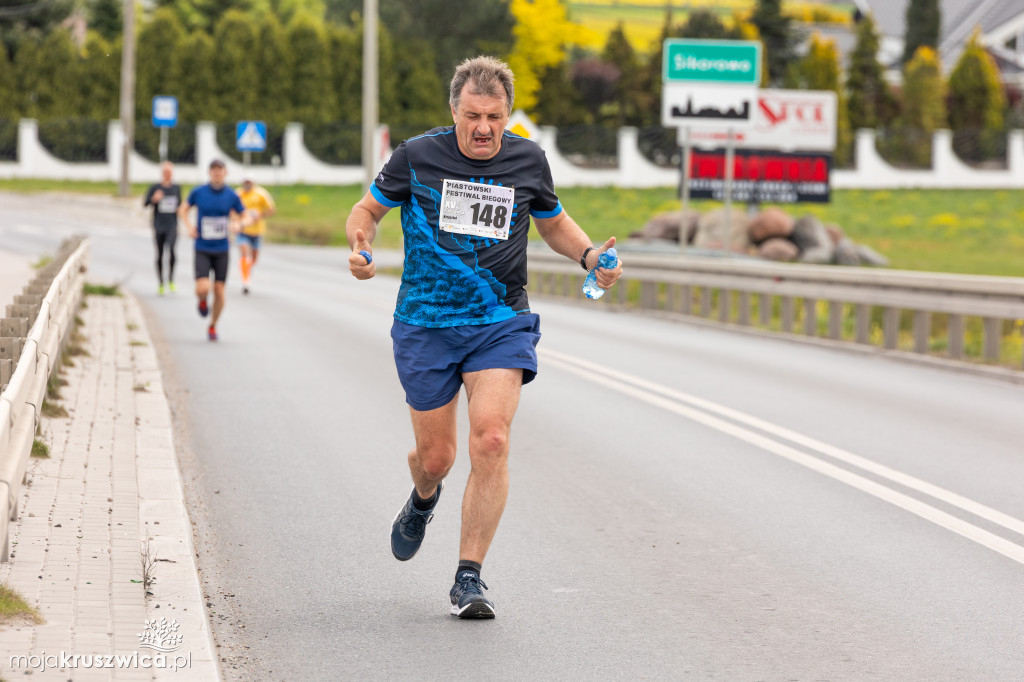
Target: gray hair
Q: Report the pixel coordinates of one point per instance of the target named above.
(486, 76)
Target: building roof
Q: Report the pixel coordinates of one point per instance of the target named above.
(959, 20)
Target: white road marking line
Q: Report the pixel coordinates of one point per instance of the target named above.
(649, 393)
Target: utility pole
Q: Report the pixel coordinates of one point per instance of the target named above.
(370, 114)
(127, 95)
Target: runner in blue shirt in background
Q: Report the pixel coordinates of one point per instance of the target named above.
(219, 212)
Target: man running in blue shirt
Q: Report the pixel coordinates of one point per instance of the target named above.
(467, 193)
(218, 212)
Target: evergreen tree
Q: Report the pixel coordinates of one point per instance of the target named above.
(20, 19)
(630, 99)
(422, 93)
(778, 38)
(924, 108)
(100, 79)
(274, 64)
(157, 61)
(57, 95)
(924, 21)
(870, 102)
(820, 71)
(977, 103)
(235, 68)
(312, 101)
(28, 75)
(198, 87)
(558, 102)
(703, 23)
(203, 15)
(345, 47)
(8, 102)
(105, 17)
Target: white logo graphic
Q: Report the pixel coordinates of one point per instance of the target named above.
(160, 636)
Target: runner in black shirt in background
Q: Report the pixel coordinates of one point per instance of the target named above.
(164, 197)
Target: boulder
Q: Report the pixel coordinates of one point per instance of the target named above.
(665, 227)
(869, 256)
(846, 252)
(769, 223)
(713, 233)
(815, 244)
(778, 249)
(835, 232)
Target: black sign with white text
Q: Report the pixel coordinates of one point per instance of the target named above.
(762, 176)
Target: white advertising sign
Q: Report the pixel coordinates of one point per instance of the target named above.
(687, 105)
(781, 119)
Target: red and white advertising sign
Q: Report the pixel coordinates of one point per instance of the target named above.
(782, 119)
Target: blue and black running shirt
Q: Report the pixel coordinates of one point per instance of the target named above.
(452, 279)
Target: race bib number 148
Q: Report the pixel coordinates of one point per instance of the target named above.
(477, 209)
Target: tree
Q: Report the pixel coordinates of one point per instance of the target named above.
(157, 61)
(345, 50)
(100, 77)
(703, 23)
(312, 101)
(924, 20)
(457, 29)
(977, 103)
(28, 75)
(203, 15)
(105, 17)
(198, 87)
(631, 98)
(542, 32)
(924, 108)
(777, 37)
(820, 71)
(8, 104)
(235, 68)
(57, 94)
(19, 19)
(422, 93)
(870, 102)
(274, 64)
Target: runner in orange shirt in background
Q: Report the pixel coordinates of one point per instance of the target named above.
(259, 205)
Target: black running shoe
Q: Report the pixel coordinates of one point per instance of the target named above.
(409, 526)
(468, 600)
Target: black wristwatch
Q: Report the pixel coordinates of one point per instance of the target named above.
(583, 258)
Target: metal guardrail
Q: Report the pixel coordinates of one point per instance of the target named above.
(31, 339)
(951, 318)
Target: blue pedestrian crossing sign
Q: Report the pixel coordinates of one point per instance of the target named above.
(251, 136)
(165, 111)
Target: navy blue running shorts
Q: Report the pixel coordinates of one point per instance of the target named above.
(217, 261)
(431, 361)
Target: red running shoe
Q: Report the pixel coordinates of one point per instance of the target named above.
(204, 309)
(211, 333)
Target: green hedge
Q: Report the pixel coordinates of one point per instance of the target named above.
(8, 139)
(181, 142)
(75, 139)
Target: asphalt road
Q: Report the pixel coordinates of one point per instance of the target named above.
(685, 502)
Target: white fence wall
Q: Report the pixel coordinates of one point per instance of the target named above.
(633, 169)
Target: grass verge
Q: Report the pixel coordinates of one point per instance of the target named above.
(14, 607)
(100, 289)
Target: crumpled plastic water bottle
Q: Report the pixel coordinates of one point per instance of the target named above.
(609, 259)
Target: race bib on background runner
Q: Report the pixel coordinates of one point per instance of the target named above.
(168, 204)
(477, 209)
(213, 228)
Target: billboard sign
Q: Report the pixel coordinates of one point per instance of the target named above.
(781, 119)
(762, 176)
